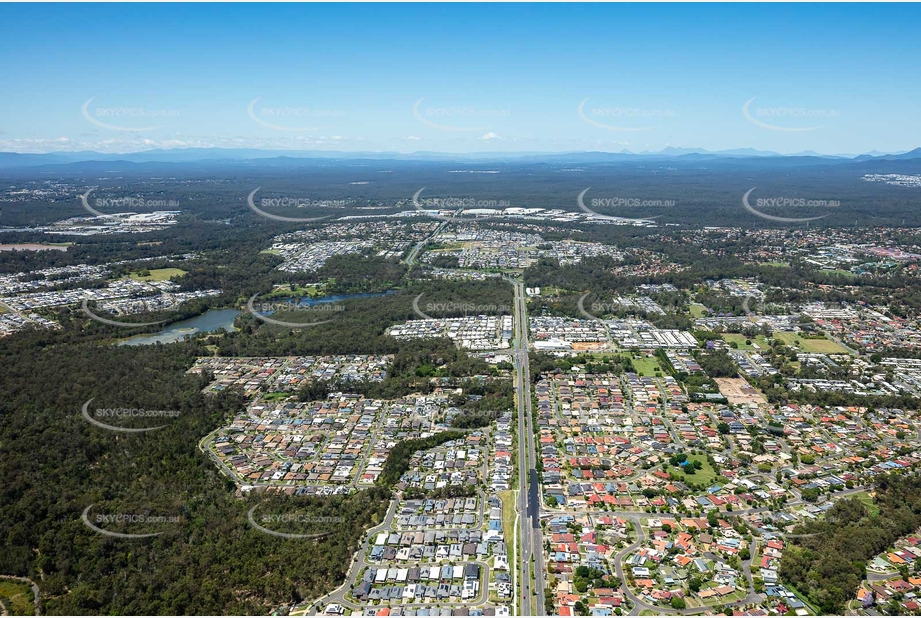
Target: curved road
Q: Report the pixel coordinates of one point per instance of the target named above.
(640, 604)
(35, 591)
(359, 562)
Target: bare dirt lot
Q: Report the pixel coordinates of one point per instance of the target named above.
(738, 391)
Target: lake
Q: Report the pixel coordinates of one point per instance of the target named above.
(208, 322)
(215, 319)
(309, 301)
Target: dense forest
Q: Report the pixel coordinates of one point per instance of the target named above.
(543, 362)
(360, 328)
(207, 559)
(53, 465)
(704, 190)
(829, 565)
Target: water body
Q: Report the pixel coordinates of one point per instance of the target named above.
(215, 319)
(209, 321)
(308, 301)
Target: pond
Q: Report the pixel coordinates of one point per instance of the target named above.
(215, 319)
(209, 321)
(309, 301)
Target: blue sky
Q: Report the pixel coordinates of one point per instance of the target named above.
(828, 78)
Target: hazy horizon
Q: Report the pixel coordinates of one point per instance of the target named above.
(317, 152)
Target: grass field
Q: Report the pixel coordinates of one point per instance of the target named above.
(3, 310)
(451, 246)
(813, 346)
(508, 512)
(705, 475)
(740, 340)
(787, 338)
(285, 291)
(868, 501)
(647, 366)
(838, 271)
(17, 597)
(697, 310)
(159, 274)
(776, 264)
(276, 396)
(551, 291)
(822, 346)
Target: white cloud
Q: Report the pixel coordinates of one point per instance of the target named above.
(414, 138)
(489, 136)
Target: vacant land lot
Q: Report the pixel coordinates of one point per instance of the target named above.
(813, 346)
(508, 511)
(737, 391)
(288, 291)
(706, 474)
(158, 274)
(838, 271)
(868, 502)
(757, 343)
(647, 366)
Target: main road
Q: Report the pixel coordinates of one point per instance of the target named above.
(529, 495)
(414, 252)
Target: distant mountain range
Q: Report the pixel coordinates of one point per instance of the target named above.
(10, 160)
(913, 154)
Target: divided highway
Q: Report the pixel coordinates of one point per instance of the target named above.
(529, 494)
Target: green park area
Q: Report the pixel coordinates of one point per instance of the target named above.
(17, 597)
(647, 366)
(743, 342)
(705, 475)
(158, 274)
(867, 500)
(811, 346)
(294, 290)
(838, 271)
